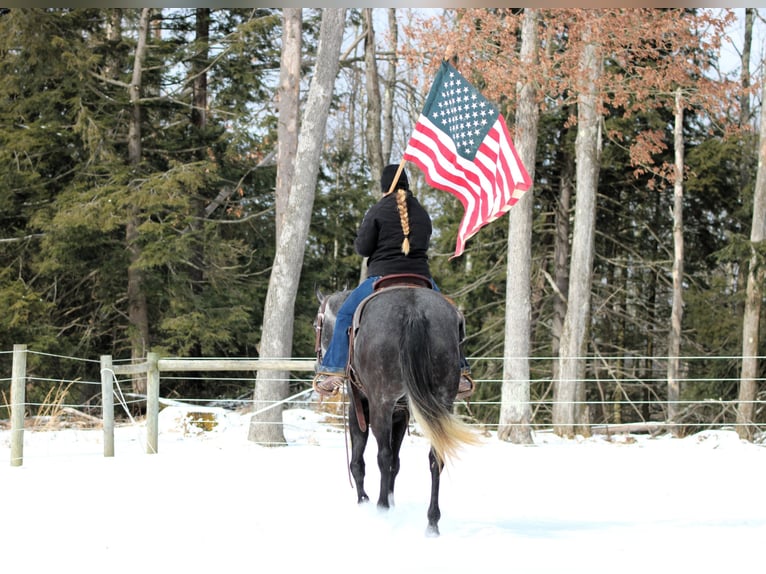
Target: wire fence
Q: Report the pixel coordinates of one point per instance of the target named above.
(618, 394)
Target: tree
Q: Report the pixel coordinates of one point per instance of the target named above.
(278, 314)
(515, 413)
(200, 247)
(756, 275)
(574, 335)
(677, 311)
(289, 105)
(389, 88)
(137, 305)
(373, 124)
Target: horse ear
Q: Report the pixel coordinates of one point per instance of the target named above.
(319, 294)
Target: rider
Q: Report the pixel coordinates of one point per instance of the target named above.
(394, 236)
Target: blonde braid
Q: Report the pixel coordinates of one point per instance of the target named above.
(404, 217)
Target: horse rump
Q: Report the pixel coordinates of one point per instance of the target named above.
(430, 366)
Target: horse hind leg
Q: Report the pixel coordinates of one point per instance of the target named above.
(401, 420)
(434, 513)
(382, 429)
(358, 444)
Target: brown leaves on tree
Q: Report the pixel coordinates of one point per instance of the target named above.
(646, 53)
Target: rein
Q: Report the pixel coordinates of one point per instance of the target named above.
(346, 441)
(318, 324)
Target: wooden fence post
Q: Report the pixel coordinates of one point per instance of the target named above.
(152, 402)
(107, 403)
(18, 403)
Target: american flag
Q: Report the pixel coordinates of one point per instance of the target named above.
(462, 145)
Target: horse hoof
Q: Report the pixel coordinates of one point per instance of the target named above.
(432, 531)
(363, 499)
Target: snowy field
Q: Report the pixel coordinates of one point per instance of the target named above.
(213, 502)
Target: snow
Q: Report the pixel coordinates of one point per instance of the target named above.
(212, 501)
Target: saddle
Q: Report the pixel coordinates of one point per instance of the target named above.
(402, 280)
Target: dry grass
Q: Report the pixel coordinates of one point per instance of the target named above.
(53, 414)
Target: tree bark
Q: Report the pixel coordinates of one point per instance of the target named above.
(373, 131)
(677, 309)
(199, 65)
(574, 335)
(289, 105)
(561, 256)
(138, 314)
(748, 384)
(277, 333)
(744, 109)
(389, 89)
(515, 411)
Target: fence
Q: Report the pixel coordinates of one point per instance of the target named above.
(151, 369)
(541, 402)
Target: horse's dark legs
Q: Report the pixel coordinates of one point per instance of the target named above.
(358, 444)
(434, 514)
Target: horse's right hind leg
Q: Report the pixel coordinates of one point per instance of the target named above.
(401, 421)
(387, 458)
(358, 444)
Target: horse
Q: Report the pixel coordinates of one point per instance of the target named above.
(404, 358)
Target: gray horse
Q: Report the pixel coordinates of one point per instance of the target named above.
(405, 358)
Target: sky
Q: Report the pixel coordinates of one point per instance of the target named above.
(212, 501)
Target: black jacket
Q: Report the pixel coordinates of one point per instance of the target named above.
(380, 237)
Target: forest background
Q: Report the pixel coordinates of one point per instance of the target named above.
(142, 175)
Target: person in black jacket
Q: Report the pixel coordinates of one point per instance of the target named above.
(394, 236)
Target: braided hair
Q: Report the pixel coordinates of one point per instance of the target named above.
(404, 217)
(401, 185)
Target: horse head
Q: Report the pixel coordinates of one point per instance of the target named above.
(324, 322)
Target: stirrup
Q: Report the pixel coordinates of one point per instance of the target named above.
(464, 391)
(328, 384)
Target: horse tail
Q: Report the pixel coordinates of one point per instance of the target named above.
(445, 431)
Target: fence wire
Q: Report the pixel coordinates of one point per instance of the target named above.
(614, 394)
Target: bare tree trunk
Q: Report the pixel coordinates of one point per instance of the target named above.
(574, 335)
(372, 132)
(748, 384)
(561, 259)
(289, 104)
(138, 315)
(389, 88)
(677, 310)
(515, 411)
(199, 67)
(744, 109)
(278, 315)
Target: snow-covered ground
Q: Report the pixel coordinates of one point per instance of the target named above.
(212, 501)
